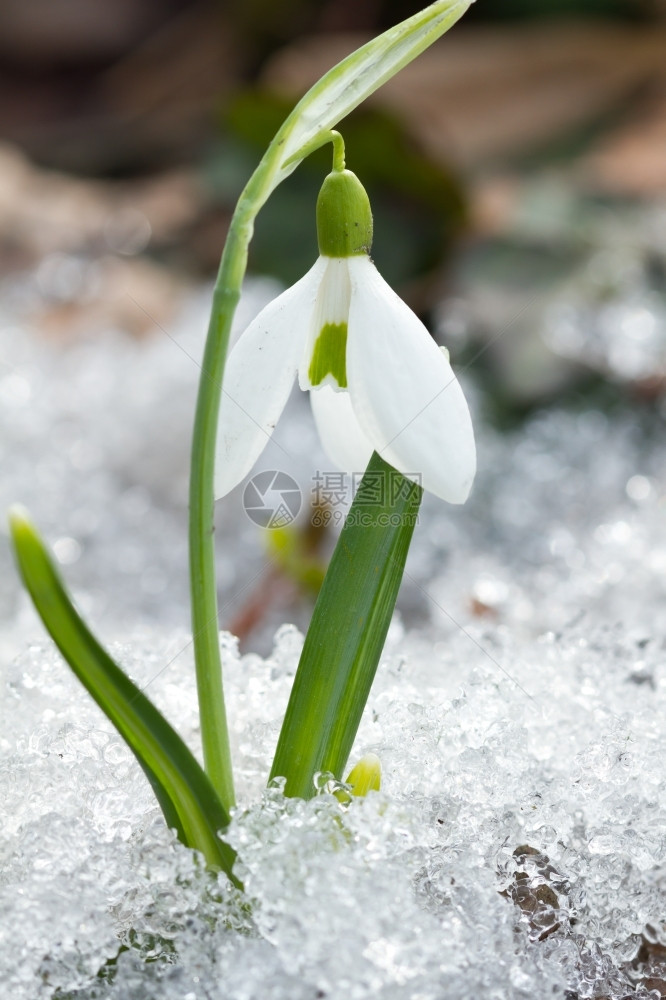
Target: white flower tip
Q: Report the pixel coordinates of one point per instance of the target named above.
(18, 517)
(223, 484)
(462, 495)
(457, 481)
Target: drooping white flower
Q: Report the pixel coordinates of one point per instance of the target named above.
(377, 380)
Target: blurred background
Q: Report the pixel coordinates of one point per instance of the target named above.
(517, 172)
(525, 151)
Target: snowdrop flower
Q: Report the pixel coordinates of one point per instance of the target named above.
(376, 378)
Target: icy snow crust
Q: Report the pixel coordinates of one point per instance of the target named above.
(517, 847)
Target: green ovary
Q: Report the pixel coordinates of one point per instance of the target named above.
(328, 357)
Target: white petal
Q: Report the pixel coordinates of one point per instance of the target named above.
(332, 307)
(258, 378)
(341, 436)
(403, 390)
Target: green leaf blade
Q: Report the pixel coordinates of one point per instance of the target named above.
(347, 632)
(184, 793)
(356, 77)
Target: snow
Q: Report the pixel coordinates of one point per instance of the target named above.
(517, 847)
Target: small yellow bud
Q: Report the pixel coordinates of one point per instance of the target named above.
(366, 776)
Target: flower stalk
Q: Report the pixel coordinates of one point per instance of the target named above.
(307, 128)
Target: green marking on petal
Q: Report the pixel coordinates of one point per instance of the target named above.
(328, 356)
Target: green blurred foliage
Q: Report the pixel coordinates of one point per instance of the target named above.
(261, 26)
(294, 550)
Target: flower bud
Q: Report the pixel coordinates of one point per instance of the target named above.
(344, 217)
(366, 776)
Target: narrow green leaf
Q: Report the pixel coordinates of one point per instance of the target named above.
(184, 793)
(348, 629)
(347, 85)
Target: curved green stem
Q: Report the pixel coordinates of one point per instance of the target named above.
(338, 151)
(214, 732)
(205, 624)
